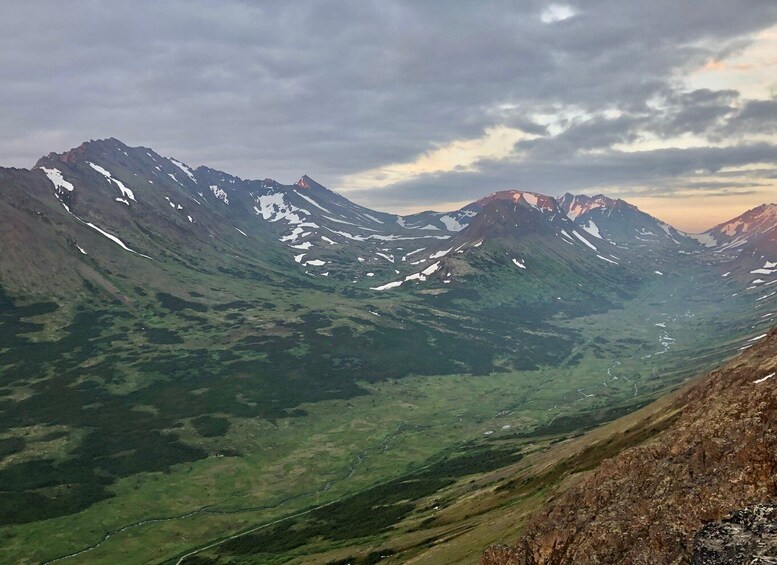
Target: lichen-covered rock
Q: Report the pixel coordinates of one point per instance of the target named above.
(745, 536)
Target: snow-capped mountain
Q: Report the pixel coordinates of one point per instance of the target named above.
(128, 193)
(747, 229)
(746, 248)
(622, 223)
(518, 235)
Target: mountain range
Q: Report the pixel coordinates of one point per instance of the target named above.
(186, 355)
(72, 208)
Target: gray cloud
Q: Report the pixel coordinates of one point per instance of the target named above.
(621, 172)
(700, 111)
(333, 88)
(728, 185)
(757, 116)
(584, 135)
(705, 193)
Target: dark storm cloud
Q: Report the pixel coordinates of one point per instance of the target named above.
(333, 88)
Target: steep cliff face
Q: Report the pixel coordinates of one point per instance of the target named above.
(646, 504)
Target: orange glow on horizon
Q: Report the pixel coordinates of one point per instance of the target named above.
(694, 214)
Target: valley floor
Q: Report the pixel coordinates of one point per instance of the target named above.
(292, 472)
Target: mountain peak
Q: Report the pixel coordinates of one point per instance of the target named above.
(578, 204)
(535, 200)
(306, 182)
(753, 230)
(87, 148)
(747, 221)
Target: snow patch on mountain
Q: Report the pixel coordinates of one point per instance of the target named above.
(412, 253)
(313, 202)
(56, 178)
(592, 228)
(582, 204)
(219, 193)
(173, 205)
(389, 258)
(124, 190)
(273, 207)
(184, 168)
(451, 223)
(668, 230)
(767, 269)
(439, 254)
(347, 235)
(431, 269)
(335, 220)
(420, 276)
(373, 218)
(706, 239)
(529, 197)
(387, 285)
(114, 239)
(295, 234)
(584, 240)
(739, 242)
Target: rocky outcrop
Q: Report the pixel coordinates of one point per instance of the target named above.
(500, 553)
(645, 505)
(746, 536)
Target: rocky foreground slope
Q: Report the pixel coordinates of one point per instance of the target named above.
(648, 504)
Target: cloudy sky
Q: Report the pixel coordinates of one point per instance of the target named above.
(403, 106)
